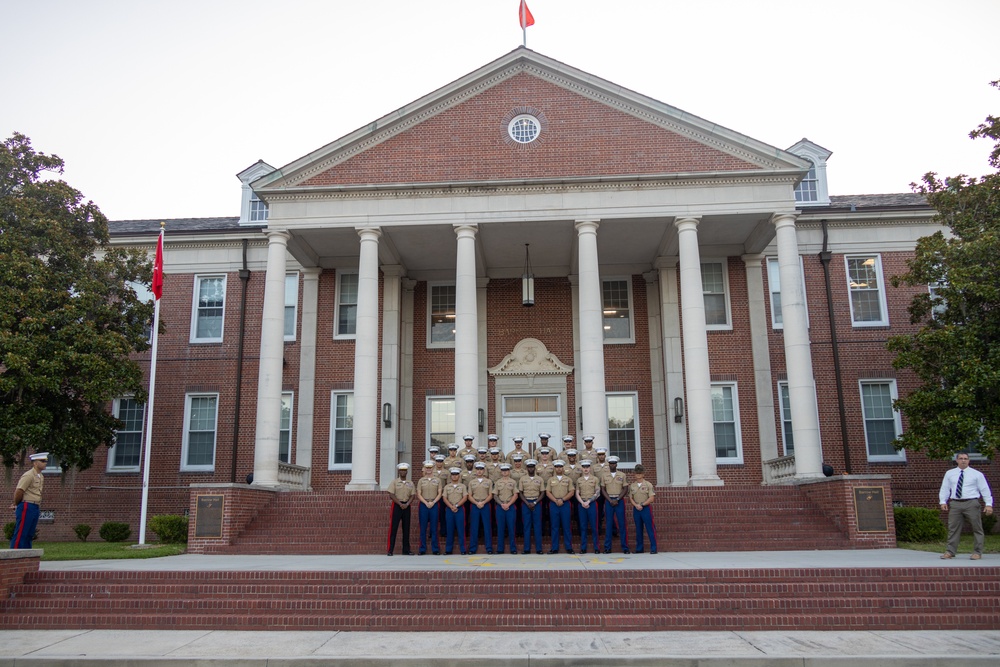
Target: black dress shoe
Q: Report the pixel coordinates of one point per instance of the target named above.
(553, 551)
(652, 552)
(490, 553)
(570, 552)
(513, 552)
(438, 553)
(388, 553)
(446, 553)
(421, 553)
(583, 551)
(539, 552)
(626, 551)
(607, 551)
(410, 553)
(640, 551)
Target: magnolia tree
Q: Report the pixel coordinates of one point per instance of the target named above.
(69, 316)
(956, 353)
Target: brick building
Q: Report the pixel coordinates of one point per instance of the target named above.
(701, 304)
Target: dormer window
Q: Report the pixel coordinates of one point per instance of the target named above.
(258, 209)
(253, 210)
(807, 190)
(812, 190)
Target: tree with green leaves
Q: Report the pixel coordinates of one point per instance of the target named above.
(956, 353)
(69, 317)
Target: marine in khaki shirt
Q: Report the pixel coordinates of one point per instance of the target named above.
(468, 448)
(588, 453)
(505, 490)
(429, 488)
(588, 488)
(613, 484)
(600, 465)
(641, 493)
(560, 489)
(480, 489)
(517, 469)
(455, 494)
(518, 449)
(531, 487)
(572, 467)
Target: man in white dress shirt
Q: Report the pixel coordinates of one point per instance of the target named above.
(960, 493)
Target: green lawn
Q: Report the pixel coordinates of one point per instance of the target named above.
(992, 545)
(104, 550)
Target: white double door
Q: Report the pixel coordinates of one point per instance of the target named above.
(529, 425)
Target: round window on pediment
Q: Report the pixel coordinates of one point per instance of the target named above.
(524, 128)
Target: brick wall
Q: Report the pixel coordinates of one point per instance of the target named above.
(835, 497)
(15, 564)
(240, 505)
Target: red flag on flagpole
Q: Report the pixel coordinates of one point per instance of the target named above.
(524, 14)
(158, 268)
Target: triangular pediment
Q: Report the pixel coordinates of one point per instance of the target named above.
(590, 129)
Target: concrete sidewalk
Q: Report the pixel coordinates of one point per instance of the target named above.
(859, 558)
(69, 648)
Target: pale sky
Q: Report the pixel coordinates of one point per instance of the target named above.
(155, 106)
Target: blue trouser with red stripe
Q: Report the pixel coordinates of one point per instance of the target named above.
(455, 523)
(531, 517)
(429, 522)
(615, 515)
(559, 515)
(480, 517)
(25, 523)
(588, 524)
(505, 526)
(644, 520)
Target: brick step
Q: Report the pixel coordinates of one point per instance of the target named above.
(515, 621)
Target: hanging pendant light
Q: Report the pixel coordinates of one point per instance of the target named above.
(527, 281)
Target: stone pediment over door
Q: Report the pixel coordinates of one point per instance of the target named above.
(531, 357)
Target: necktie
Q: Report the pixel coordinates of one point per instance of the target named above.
(958, 487)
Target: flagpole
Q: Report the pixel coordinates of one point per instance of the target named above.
(524, 26)
(149, 403)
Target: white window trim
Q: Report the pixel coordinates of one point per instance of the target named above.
(938, 303)
(628, 465)
(427, 421)
(631, 310)
(187, 425)
(294, 305)
(781, 416)
(805, 299)
(115, 407)
(194, 308)
(884, 322)
(291, 425)
(443, 345)
(900, 455)
(336, 309)
(738, 459)
(724, 261)
(333, 432)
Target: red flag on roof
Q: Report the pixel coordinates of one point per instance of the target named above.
(158, 268)
(524, 14)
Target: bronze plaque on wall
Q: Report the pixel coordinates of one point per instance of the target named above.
(208, 515)
(869, 509)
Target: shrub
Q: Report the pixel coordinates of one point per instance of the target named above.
(114, 531)
(170, 528)
(919, 524)
(989, 521)
(8, 531)
(82, 531)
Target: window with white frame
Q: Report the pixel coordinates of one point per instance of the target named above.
(786, 419)
(726, 423)
(938, 303)
(715, 285)
(201, 413)
(440, 421)
(774, 287)
(258, 209)
(441, 315)
(616, 295)
(208, 311)
(882, 423)
(623, 428)
(144, 293)
(291, 304)
(807, 190)
(125, 454)
(285, 428)
(341, 430)
(347, 305)
(864, 280)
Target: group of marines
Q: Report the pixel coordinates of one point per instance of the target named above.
(494, 489)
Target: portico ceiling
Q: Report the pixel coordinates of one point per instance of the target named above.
(625, 245)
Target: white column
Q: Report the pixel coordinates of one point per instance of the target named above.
(466, 334)
(406, 363)
(391, 301)
(673, 362)
(761, 353)
(591, 367)
(698, 383)
(305, 399)
(660, 418)
(798, 357)
(272, 352)
(366, 366)
(483, 374)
